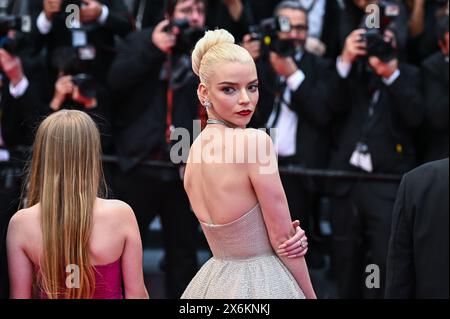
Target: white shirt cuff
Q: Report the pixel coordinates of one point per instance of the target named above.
(295, 80)
(392, 79)
(20, 89)
(43, 24)
(343, 68)
(104, 16)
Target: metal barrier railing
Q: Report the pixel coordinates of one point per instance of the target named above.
(290, 170)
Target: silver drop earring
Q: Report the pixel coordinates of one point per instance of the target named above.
(207, 104)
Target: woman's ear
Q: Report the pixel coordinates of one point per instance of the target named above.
(202, 93)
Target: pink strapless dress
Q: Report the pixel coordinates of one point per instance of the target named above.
(108, 282)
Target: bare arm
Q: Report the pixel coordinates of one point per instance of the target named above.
(20, 267)
(271, 196)
(132, 270)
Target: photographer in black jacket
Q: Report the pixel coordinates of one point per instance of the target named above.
(356, 13)
(377, 107)
(56, 25)
(153, 74)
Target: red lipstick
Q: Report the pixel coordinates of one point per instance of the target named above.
(245, 113)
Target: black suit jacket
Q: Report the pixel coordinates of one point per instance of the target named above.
(399, 113)
(330, 32)
(417, 263)
(21, 116)
(435, 84)
(309, 102)
(141, 108)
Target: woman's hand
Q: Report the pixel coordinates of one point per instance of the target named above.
(295, 247)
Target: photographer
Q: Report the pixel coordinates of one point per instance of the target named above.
(392, 14)
(99, 22)
(153, 75)
(377, 108)
(435, 86)
(293, 99)
(77, 90)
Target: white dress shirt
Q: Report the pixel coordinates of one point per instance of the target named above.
(316, 16)
(287, 123)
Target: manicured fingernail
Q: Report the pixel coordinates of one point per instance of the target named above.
(284, 255)
(282, 246)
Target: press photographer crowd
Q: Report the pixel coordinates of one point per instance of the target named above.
(357, 90)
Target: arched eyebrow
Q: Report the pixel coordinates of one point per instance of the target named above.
(233, 83)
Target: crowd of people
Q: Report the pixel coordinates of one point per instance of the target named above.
(343, 95)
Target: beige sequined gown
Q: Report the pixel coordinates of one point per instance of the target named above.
(244, 265)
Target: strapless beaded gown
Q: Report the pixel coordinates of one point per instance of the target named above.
(244, 265)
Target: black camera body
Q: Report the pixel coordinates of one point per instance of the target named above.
(75, 61)
(86, 84)
(374, 37)
(12, 23)
(267, 32)
(187, 37)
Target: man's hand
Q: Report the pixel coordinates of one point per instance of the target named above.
(283, 66)
(355, 47)
(90, 11)
(235, 8)
(383, 69)
(51, 7)
(252, 46)
(11, 66)
(163, 40)
(63, 87)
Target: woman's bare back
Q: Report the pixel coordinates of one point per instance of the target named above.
(105, 248)
(220, 191)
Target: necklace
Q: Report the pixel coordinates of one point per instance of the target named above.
(214, 121)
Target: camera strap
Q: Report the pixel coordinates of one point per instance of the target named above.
(279, 99)
(373, 116)
(361, 156)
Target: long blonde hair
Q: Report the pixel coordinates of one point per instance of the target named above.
(65, 177)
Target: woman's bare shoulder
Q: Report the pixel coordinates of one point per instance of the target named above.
(256, 134)
(25, 220)
(114, 209)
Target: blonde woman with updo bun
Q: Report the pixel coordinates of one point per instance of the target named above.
(235, 190)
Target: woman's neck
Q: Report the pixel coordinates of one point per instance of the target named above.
(217, 121)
